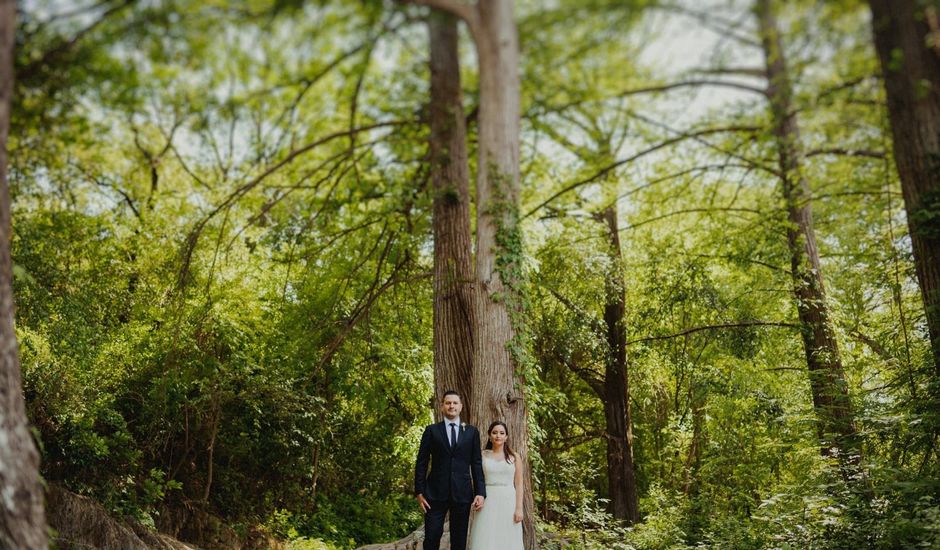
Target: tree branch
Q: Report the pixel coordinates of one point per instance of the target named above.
(650, 90)
(675, 175)
(65, 46)
(693, 83)
(596, 325)
(872, 344)
(589, 377)
(609, 168)
(741, 71)
(843, 86)
(567, 443)
(689, 211)
(734, 258)
(839, 151)
(74, 12)
(465, 12)
(365, 305)
(101, 183)
(193, 236)
(714, 327)
(699, 139)
(715, 24)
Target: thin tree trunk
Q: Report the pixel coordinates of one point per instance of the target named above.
(453, 256)
(315, 476)
(22, 519)
(624, 500)
(693, 464)
(693, 461)
(911, 70)
(210, 450)
(831, 401)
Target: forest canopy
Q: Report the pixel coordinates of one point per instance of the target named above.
(688, 251)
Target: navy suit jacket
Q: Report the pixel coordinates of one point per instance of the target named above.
(455, 473)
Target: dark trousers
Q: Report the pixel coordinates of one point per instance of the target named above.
(434, 524)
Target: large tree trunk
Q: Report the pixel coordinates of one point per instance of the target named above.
(911, 70)
(831, 399)
(621, 477)
(497, 396)
(497, 383)
(453, 257)
(22, 521)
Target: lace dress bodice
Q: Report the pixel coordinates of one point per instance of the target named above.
(497, 472)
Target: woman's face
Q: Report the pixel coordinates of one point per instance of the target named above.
(498, 435)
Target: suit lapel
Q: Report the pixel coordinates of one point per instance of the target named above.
(445, 438)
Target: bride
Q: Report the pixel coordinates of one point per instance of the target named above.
(499, 524)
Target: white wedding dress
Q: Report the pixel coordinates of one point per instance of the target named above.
(493, 527)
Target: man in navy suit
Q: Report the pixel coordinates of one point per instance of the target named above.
(455, 483)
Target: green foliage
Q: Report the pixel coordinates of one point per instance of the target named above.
(280, 375)
(927, 216)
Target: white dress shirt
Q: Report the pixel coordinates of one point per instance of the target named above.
(447, 423)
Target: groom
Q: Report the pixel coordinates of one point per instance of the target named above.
(455, 482)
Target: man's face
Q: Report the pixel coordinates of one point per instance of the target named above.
(452, 406)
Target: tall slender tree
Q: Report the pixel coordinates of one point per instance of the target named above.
(22, 519)
(831, 399)
(910, 65)
(613, 387)
(621, 476)
(454, 311)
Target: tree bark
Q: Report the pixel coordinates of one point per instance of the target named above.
(693, 463)
(621, 475)
(453, 257)
(911, 71)
(495, 378)
(831, 401)
(497, 383)
(22, 519)
(498, 388)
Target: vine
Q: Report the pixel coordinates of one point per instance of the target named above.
(510, 265)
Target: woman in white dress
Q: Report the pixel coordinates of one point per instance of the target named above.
(498, 526)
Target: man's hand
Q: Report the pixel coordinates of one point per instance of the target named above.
(425, 505)
(478, 503)
(517, 515)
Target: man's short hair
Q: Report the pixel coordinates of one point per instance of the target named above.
(450, 392)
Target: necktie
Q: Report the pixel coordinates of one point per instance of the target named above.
(453, 435)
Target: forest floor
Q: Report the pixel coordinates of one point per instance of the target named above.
(80, 523)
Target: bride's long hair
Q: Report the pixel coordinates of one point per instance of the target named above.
(489, 443)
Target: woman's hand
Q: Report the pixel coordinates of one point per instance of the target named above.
(517, 515)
